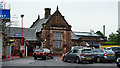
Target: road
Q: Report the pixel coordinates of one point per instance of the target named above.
(29, 61)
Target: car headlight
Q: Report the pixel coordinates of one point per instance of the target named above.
(118, 59)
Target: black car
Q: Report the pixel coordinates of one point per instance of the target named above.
(42, 53)
(116, 50)
(118, 62)
(79, 55)
(103, 55)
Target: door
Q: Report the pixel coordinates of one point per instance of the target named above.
(68, 55)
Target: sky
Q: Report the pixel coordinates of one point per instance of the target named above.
(82, 15)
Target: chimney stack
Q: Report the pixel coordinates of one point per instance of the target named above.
(47, 12)
(104, 30)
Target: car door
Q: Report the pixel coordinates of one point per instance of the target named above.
(95, 53)
(74, 54)
(100, 54)
(68, 55)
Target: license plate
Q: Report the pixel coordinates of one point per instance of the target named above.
(89, 58)
(110, 55)
(37, 53)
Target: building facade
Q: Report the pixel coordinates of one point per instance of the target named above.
(86, 39)
(54, 30)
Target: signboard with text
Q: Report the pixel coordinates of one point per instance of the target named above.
(18, 35)
(4, 13)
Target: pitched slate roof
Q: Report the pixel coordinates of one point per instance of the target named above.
(38, 24)
(86, 34)
(73, 36)
(77, 35)
(28, 33)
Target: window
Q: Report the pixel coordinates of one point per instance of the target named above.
(75, 51)
(95, 51)
(101, 51)
(46, 50)
(38, 50)
(86, 51)
(57, 39)
(71, 51)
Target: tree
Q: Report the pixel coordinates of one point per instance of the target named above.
(113, 38)
(118, 35)
(100, 33)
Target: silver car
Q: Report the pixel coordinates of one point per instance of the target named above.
(79, 55)
(103, 55)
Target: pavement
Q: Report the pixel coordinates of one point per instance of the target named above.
(50, 63)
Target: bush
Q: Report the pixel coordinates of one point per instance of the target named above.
(110, 43)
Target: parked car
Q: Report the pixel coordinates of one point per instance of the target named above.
(79, 55)
(103, 55)
(78, 47)
(116, 50)
(107, 48)
(42, 53)
(118, 62)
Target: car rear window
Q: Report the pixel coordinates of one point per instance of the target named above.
(109, 51)
(86, 51)
(40, 50)
(46, 50)
(116, 49)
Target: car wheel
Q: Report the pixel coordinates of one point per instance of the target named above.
(44, 58)
(91, 62)
(77, 60)
(98, 59)
(64, 59)
(118, 66)
(35, 58)
(51, 57)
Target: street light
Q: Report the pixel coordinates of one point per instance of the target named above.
(22, 34)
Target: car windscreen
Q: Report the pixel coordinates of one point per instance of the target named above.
(74, 48)
(108, 48)
(39, 50)
(86, 51)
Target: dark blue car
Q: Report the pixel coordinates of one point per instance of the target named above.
(103, 55)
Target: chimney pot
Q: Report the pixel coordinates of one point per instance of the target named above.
(47, 12)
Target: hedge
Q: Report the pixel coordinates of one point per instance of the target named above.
(110, 43)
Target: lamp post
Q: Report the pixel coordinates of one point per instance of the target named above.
(22, 34)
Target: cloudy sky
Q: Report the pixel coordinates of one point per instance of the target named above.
(83, 15)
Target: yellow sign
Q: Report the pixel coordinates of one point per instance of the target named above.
(11, 40)
(103, 46)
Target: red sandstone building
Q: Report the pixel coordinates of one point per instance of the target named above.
(56, 34)
(54, 30)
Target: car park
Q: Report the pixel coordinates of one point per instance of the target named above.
(118, 62)
(103, 55)
(42, 53)
(79, 55)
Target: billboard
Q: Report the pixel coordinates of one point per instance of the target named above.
(4, 13)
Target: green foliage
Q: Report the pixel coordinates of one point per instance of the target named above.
(113, 38)
(118, 36)
(110, 43)
(100, 33)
